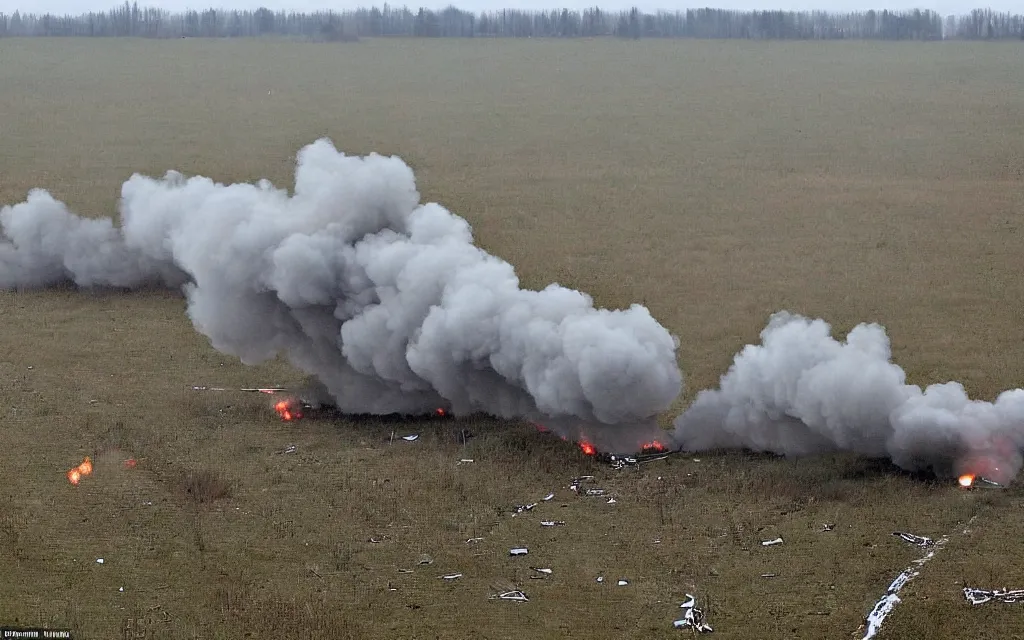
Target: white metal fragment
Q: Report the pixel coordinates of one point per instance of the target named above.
(600, 578)
(769, 543)
(827, 527)
(99, 560)
(693, 618)
(611, 501)
(552, 523)
(623, 583)
(548, 497)
(517, 596)
(538, 570)
(473, 540)
(981, 596)
(521, 551)
(410, 438)
(451, 576)
(890, 599)
(920, 541)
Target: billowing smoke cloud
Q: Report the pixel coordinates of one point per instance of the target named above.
(385, 300)
(802, 392)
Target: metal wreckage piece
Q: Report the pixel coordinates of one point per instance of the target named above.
(981, 596)
(693, 618)
(919, 541)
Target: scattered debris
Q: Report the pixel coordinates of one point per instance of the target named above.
(391, 588)
(770, 543)
(290, 449)
(577, 481)
(544, 571)
(890, 599)
(425, 559)
(451, 576)
(405, 571)
(519, 508)
(517, 596)
(410, 438)
(623, 583)
(981, 596)
(594, 492)
(314, 572)
(827, 527)
(547, 497)
(600, 578)
(920, 541)
(552, 523)
(378, 540)
(521, 551)
(99, 560)
(473, 540)
(464, 461)
(693, 618)
(768, 575)
(121, 589)
(611, 501)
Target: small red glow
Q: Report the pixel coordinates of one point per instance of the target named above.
(587, 448)
(129, 463)
(441, 412)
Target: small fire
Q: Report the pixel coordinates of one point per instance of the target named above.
(653, 446)
(84, 469)
(540, 427)
(440, 412)
(287, 410)
(587, 448)
(966, 480)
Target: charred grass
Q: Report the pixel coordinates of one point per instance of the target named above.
(714, 181)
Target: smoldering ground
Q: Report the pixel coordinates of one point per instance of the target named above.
(802, 392)
(386, 301)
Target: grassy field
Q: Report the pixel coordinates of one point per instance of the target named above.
(716, 182)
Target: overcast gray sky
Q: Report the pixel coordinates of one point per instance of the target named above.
(942, 6)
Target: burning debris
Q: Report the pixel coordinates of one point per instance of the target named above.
(981, 596)
(76, 474)
(693, 618)
(971, 481)
(802, 392)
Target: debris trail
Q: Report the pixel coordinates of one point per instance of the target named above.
(803, 392)
(891, 598)
(386, 301)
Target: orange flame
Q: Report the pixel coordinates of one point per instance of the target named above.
(966, 480)
(441, 412)
(587, 448)
(287, 410)
(84, 469)
(652, 446)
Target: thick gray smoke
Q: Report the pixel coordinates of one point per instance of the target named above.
(801, 392)
(385, 300)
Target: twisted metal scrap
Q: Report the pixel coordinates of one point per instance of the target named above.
(981, 596)
(693, 618)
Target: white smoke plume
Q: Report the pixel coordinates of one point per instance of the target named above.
(802, 392)
(385, 300)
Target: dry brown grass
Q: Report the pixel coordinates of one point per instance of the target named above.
(715, 181)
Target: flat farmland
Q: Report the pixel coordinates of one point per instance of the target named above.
(713, 181)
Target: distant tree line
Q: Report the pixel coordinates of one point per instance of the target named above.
(130, 20)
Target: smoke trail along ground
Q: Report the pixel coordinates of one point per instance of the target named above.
(385, 300)
(801, 392)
